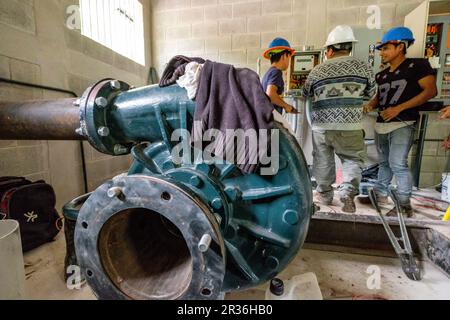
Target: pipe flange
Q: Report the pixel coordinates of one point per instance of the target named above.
(148, 238)
(95, 105)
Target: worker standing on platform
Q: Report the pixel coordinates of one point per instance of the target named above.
(405, 85)
(338, 88)
(279, 53)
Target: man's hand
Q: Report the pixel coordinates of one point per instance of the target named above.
(445, 113)
(446, 144)
(390, 113)
(290, 109)
(368, 108)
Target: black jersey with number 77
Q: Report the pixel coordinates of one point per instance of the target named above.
(402, 85)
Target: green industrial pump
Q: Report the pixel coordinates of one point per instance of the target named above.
(166, 229)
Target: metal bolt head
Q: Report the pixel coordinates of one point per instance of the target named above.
(217, 203)
(196, 181)
(115, 85)
(120, 149)
(115, 192)
(101, 102)
(77, 103)
(103, 131)
(204, 243)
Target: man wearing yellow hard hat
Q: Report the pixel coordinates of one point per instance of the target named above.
(279, 54)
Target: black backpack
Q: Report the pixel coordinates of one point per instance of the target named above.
(32, 204)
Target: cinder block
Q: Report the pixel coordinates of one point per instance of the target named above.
(9, 92)
(336, 4)
(219, 12)
(262, 24)
(433, 164)
(205, 30)
(179, 4)
(197, 45)
(358, 3)
(279, 6)
(249, 9)
(25, 71)
(348, 16)
(23, 161)
(233, 26)
(245, 41)
(233, 57)
(317, 18)
(175, 33)
(164, 19)
(18, 14)
(203, 3)
(8, 143)
(301, 6)
(295, 23)
(189, 16)
(427, 179)
(4, 67)
(97, 51)
(222, 43)
(253, 55)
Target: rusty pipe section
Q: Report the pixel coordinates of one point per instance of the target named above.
(40, 120)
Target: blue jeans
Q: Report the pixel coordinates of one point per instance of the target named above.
(393, 149)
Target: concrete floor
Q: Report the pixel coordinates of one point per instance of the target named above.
(340, 275)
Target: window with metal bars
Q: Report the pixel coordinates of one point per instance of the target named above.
(116, 24)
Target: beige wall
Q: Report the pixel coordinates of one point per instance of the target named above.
(36, 46)
(238, 31)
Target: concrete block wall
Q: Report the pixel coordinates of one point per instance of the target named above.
(435, 159)
(37, 47)
(238, 31)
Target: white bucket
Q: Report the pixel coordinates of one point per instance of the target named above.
(12, 271)
(446, 186)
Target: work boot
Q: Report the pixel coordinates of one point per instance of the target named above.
(406, 210)
(326, 198)
(349, 204)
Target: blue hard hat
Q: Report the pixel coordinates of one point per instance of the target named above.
(278, 45)
(396, 35)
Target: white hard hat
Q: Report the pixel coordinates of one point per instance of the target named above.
(341, 34)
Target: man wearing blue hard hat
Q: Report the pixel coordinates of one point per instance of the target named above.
(402, 87)
(279, 54)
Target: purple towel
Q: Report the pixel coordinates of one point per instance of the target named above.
(231, 98)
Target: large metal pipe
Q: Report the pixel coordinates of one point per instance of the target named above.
(40, 120)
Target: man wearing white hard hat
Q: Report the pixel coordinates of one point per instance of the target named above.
(338, 88)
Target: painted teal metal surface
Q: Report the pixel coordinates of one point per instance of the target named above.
(264, 220)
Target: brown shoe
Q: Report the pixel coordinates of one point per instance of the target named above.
(326, 199)
(349, 204)
(407, 212)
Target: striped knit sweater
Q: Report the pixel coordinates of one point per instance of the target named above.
(338, 88)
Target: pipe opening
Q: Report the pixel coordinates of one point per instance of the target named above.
(145, 255)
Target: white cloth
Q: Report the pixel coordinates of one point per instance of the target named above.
(190, 79)
(385, 128)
